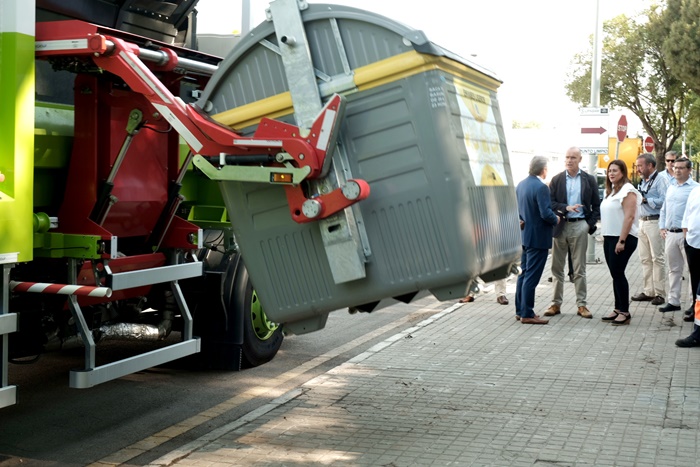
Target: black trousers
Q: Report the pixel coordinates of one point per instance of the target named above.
(617, 263)
(692, 255)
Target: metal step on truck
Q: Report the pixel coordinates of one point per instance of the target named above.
(335, 159)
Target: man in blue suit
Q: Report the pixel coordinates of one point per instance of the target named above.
(536, 222)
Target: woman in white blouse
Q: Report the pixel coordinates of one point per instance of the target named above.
(619, 218)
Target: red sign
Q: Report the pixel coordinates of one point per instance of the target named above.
(649, 144)
(622, 129)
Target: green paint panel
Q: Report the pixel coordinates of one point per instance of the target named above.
(56, 245)
(53, 144)
(16, 143)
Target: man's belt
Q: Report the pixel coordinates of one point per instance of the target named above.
(575, 219)
(649, 218)
(675, 230)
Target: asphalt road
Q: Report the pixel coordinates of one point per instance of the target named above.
(137, 419)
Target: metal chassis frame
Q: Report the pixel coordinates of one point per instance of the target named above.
(92, 374)
(8, 324)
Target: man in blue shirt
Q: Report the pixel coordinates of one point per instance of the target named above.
(670, 220)
(651, 248)
(670, 159)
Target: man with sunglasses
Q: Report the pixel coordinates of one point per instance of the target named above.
(670, 226)
(670, 158)
(651, 248)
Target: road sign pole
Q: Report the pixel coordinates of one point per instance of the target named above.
(594, 141)
(617, 150)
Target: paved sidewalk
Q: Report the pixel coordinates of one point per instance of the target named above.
(472, 386)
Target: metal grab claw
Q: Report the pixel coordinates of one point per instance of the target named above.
(305, 209)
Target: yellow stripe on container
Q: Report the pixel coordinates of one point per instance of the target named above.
(366, 77)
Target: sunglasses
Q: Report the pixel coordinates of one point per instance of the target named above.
(670, 160)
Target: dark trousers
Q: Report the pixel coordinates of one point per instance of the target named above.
(693, 257)
(617, 263)
(532, 264)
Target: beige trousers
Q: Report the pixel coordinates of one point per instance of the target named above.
(574, 237)
(499, 286)
(651, 255)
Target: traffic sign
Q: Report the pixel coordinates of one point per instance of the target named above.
(622, 128)
(594, 150)
(599, 131)
(593, 111)
(649, 144)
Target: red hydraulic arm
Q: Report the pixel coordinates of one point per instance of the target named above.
(284, 142)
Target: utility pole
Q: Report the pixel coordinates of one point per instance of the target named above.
(245, 18)
(595, 102)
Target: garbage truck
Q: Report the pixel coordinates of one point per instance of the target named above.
(335, 159)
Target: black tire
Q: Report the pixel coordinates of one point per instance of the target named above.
(261, 338)
(234, 331)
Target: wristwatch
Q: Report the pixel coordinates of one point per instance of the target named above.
(622, 241)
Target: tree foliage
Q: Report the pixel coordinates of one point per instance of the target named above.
(682, 44)
(682, 50)
(636, 76)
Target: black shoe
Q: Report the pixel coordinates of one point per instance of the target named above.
(611, 316)
(642, 297)
(658, 300)
(689, 315)
(669, 307)
(689, 341)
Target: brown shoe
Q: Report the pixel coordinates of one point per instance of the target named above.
(658, 300)
(517, 317)
(467, 299)
(502, 299)
(552, 310)
(642, 297)
(583, 312)
(533, 321)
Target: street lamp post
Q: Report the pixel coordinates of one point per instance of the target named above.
(595, 102)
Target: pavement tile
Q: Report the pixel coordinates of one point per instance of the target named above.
(472, 386)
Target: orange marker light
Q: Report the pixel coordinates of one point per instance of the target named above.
(280, 178)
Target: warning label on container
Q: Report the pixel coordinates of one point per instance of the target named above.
(481, 138)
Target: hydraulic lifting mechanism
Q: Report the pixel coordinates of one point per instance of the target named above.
(277, 153)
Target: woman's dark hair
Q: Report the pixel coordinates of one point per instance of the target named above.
(609, 187)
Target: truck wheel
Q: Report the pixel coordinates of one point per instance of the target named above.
(229, 319)
(261, 337)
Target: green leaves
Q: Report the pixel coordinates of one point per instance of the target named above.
(636, 75)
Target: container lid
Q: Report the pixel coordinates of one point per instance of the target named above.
(341, 40)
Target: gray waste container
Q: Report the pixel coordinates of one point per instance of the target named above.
(422, 127)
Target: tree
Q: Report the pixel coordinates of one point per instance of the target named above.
(682, 44)
(635, 76)
(682, 49)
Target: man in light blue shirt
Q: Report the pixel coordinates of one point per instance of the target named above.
(670, 226)
(670, 159)
(651, 249)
